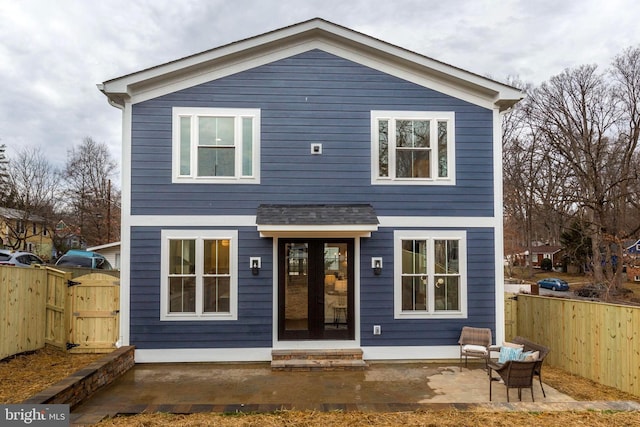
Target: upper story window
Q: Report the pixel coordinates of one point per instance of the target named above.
(413, 147)
(216, 145)
(430, 274)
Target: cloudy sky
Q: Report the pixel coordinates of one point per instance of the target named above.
(53, 53)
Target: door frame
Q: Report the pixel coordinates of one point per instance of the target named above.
(311, 338)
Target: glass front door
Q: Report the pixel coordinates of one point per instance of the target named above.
(316, 289)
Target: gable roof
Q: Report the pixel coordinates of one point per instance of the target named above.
(313, 34)
(10, 213)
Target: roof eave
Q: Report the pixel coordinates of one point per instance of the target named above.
(120, 89)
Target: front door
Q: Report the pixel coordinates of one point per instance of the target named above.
(315, 289)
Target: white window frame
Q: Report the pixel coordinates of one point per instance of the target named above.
(430, 236)
(237, 114)
(434, 117)
(199, 236)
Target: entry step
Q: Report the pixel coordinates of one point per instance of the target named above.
(317, 360)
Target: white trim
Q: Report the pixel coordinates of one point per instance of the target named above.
(199, 236)
(203, 355)
(434, 117)
(193, 221)
(346, 230)
(437, 222)
(125, 228)
(430, 236)
(313, 34)
(250, 221)
(194, 113)
(263, 354)
(441, 352)
(317, 344)
(105, 246)
(499, 230)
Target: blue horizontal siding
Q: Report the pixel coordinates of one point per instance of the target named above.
(308, 98)
(377, 293)
(255, 301)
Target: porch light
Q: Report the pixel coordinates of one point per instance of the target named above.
(256, 264)
(376, 265)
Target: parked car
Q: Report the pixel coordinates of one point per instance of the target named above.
(19, 259)
(554, 284)
(87, 259)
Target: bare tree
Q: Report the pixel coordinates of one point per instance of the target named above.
(578, 112)
(90, 193)
(34, 184)
(534, 207)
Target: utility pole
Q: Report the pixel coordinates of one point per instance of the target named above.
(109, 211)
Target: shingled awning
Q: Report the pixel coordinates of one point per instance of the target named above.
(356, 220)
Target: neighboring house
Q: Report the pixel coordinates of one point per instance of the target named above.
(67, 237)
(554, 253)
(28, 231)
(633, 249)
(309, 188)
(111, 251)
(632, 260)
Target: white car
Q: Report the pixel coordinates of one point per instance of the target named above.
(19, 259)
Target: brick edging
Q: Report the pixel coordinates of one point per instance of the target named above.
(86, 381)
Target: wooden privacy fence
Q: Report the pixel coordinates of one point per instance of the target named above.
(22, 309)
(45, 305)
(56, 324)
(594, 340)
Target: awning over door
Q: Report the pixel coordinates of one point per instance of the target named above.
(357, 220)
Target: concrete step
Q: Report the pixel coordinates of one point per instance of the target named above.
(317, 360)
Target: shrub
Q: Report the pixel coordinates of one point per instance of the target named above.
(546, 264)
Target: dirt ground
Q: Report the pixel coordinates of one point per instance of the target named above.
(24, 375)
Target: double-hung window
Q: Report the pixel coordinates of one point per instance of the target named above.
(199, 275)
(216, 145)
(430, 274)
(413, 147)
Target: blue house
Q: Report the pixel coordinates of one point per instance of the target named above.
(309, 188)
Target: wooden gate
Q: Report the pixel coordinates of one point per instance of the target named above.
(56, 313)
(94, 307)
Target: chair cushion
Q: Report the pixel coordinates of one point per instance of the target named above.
(512, 345)
(509, 353)
(530, 356)
(470, 348)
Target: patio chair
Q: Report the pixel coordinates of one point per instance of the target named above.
(531, 346)
(475, 342)
(515, 374)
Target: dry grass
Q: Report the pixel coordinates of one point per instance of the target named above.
(24, 375)
(358, 419)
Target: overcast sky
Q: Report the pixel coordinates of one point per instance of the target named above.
(54, 52)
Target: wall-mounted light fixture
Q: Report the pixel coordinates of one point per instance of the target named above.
(376, 265)
(255, 263)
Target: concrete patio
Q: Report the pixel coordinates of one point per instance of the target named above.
(201, 387)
